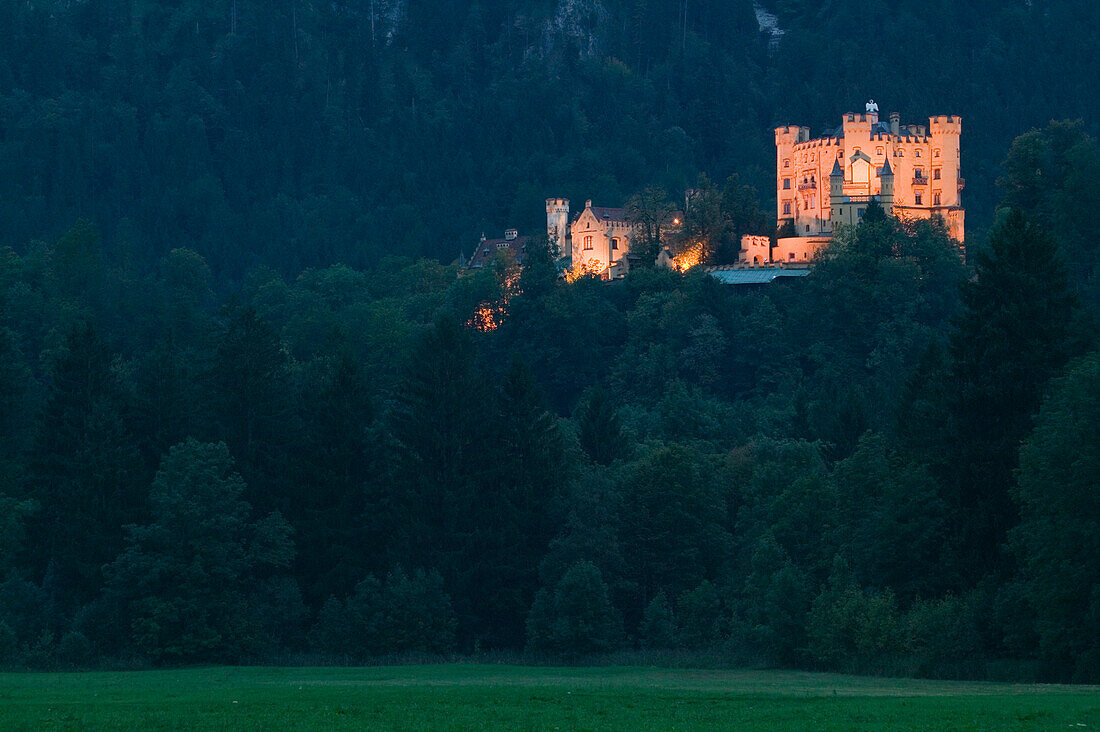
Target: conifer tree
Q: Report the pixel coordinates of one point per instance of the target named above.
(1012, 337)
(84, 470)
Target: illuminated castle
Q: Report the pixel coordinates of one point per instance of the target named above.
(912, 170)
(598, 239)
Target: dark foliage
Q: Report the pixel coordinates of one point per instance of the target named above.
(240, 388)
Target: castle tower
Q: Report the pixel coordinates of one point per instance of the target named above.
(886, 187)
(836, 192)
(786, 169)
(946, 184)
(836, 183)
(557, 225)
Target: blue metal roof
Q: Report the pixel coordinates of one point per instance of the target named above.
(755, 276)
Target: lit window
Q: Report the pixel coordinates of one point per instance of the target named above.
(587, 242)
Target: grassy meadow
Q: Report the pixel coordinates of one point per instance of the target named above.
(460, 697)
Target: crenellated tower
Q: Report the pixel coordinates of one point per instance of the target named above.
(557, 225)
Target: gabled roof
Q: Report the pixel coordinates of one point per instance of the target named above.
(603, 213)
(609, 214)
(488, 247)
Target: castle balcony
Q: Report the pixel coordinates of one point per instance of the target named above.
(920, 180)
(811, 186)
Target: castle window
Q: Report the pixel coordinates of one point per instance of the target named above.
(936, 153)
(790, 256)
(935, 173)
(587, 242)
(615, 243)
(811, 157)
(900, 152)
(878, 151)
(935, 199)
(787, 207)
(786, 163)
(917, 199)
(918, 173)
(786, 184)
(916, 153)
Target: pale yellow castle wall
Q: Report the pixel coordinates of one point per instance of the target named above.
(601, 255)
(755, 249)
(930, 148)
(798, 249)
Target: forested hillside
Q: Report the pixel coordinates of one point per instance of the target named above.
(247, 412)
(296, 134)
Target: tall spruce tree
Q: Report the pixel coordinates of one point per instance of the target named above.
(1059, 499)
(1012, 337)
(84, 469)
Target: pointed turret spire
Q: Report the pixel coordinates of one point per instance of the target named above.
(886, 169)
(837, 170)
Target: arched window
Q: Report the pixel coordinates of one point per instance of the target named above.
(786, 163)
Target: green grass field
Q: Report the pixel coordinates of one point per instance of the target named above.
(461, 697)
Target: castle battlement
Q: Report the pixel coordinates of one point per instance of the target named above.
(913, 170)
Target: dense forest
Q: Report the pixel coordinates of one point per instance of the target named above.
(248, 414)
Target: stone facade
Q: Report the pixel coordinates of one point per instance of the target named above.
(601, 239)
(913, 170)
